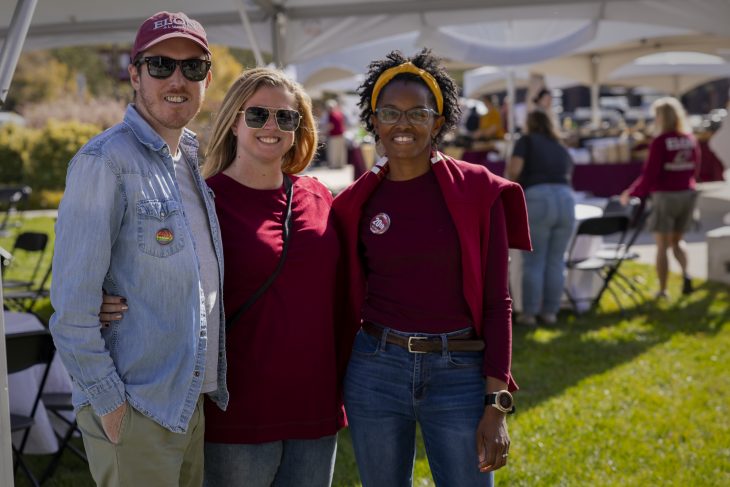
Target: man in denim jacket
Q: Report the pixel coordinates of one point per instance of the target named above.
(138, 221)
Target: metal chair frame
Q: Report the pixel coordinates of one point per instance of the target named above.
(24, 350)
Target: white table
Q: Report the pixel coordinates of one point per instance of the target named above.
(582, 285)
(23, 386)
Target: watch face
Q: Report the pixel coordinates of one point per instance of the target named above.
(505, 401)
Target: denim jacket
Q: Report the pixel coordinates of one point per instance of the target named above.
(121, 228)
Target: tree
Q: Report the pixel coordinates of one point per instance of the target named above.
(40, 77)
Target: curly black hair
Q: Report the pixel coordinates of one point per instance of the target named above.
(426, 61)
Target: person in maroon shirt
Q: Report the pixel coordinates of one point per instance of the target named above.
(425, 241)
(336, 142)
(669, 176)
(284, 411)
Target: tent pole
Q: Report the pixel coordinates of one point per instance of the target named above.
(6, 452)
(9, 55)
(249, 33)
(511, 125)
(595, 93)
(278, 25)
(13, 45)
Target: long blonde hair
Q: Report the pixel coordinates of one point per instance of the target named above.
(670, 116)
(222, 147)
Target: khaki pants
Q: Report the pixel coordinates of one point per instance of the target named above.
(147, 454)
(336, 151)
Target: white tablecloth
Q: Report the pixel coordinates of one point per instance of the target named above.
(23, 386)
(582, 285)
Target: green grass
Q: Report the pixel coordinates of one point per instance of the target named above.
(640, 398)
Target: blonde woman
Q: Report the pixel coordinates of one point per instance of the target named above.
(668, 176)
(281, 423)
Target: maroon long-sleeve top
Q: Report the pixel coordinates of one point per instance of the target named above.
(672, 165)
(470, 193)
(282, 374)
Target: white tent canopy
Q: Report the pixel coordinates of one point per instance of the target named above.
(296, 30)
(490, 79)
(671, 72)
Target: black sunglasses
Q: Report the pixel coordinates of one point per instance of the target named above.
(256, 117)
(162, 67)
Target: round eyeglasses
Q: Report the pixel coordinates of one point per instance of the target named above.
(416, 116)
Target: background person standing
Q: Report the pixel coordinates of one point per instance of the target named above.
(336, 141)
(668, 176)
(543, 166)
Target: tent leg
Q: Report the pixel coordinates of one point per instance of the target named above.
(18, 29)
(511, 124)
(249, 33)
(595, 94)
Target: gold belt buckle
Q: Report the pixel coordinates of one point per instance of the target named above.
(410, 344)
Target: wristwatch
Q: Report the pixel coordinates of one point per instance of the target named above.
(501, 400)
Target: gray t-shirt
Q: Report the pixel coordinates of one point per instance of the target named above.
(197, 217)
(546, 161)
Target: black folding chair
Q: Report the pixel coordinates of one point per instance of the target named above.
(24, 300)
(638, 212)
(33, 245)
(603, 226)
(58, 404)
(25, 350)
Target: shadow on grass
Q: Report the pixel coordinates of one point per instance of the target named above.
(548, 360)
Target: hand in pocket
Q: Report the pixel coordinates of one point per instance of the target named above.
(112, 423)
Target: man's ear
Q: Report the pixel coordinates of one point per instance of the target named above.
(134, 76)
(208, 78)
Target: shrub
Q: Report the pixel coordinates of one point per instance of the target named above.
(102, 112)
(57, 143)
(15, 145)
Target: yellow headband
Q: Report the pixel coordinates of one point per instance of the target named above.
(408, 67)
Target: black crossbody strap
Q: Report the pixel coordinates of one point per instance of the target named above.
(289, 187)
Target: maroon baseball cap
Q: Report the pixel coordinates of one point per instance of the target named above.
(166, 25)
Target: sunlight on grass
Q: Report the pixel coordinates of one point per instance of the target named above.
(546, 335)
(647, 404)
(639, 397)
(622, 332)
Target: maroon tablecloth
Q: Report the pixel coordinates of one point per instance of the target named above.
(606, 180)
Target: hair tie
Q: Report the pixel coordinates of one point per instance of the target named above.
(408, 67)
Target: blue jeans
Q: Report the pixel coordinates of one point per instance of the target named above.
(551, 213)
(287, 463)
(388, 390)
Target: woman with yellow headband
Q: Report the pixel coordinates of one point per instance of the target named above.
(425, 241)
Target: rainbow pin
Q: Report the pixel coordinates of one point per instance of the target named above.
(164, 236)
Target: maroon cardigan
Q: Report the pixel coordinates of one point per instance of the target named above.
(469, 191)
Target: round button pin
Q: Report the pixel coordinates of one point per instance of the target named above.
(164, 236)
(380, 223)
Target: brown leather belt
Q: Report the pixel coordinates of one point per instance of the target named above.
(415, 344)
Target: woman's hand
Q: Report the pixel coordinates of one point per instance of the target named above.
(111, 309)
(625, 197)
(492, 440)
